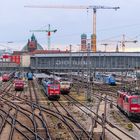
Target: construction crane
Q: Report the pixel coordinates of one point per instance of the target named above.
(126, 41)
(122, 42)
(94, 8)
(49, 31)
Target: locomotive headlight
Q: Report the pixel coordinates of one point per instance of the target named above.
(134, 108)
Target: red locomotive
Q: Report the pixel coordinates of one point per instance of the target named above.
(19, 84)
(6, 77)
(51, 89)
(129, 102)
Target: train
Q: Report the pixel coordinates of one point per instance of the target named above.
(51, 88)
(6, 77)
(18, 84)
(16, 75)
(107, 79)
(129, 102)
(30, 76)
(65, 86)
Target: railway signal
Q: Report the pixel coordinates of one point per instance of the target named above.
(92, 7)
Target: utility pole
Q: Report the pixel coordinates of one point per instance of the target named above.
(49, 31)
(88, 73)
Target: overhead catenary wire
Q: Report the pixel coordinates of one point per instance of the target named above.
(86, 32)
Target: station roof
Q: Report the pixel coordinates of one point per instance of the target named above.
(80, 54)
(41, 75)
(49, 51)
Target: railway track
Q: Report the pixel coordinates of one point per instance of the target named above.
(83, 133)
(14, 117)
(35, 117)
(106, 124)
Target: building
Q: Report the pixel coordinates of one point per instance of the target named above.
(83, 42)
(32, 45)
(77, 61)
(22, 57)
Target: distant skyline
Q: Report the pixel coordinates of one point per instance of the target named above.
(17, 21)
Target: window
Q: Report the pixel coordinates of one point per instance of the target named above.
(139, 101)
(64, 83)
(134, 101)
(126, 99)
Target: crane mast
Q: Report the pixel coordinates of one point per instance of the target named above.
(49, 31)
(93, 7)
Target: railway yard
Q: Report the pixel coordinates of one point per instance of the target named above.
(29, 114)
(75, 76)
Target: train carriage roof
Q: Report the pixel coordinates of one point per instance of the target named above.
(41, 75)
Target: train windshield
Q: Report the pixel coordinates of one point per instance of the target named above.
(135, 100)
(65, 83)
(52, 87)
(112, 78)
(139, 101)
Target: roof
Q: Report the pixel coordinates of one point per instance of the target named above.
(18, 52)
(26, 47)
(49, 52)
(80, 54)
(32, 44)
(41, 75)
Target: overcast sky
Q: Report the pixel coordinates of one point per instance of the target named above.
(16, 21)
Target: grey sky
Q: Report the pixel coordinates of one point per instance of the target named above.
(16, 21)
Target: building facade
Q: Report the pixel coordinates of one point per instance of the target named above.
(107, 61)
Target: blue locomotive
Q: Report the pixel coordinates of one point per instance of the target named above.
(30, 76)
(107, 79)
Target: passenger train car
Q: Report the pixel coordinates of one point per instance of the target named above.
(65, 86)
(129, 102)
(107, 79)
(51, 88)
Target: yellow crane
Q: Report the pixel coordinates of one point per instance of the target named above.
(93, 7)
